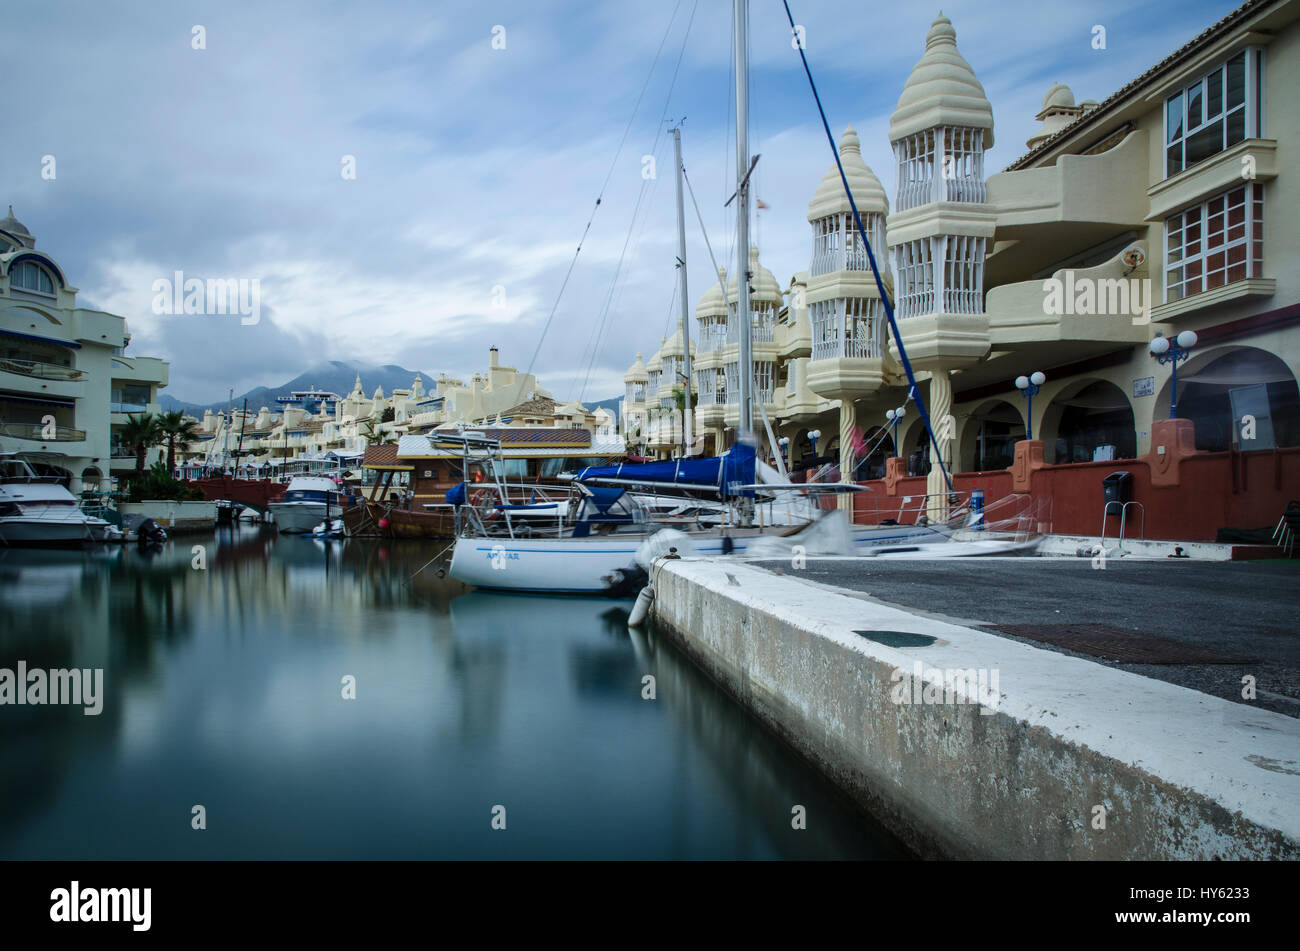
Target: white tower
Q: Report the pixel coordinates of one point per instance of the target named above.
(941, 226)
(849, 330)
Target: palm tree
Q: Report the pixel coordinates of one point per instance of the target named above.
(175, 427)
(141, 432)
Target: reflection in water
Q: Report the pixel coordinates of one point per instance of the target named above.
(223, 687)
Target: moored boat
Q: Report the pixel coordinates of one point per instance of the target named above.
(38, 511)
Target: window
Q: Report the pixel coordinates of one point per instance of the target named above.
(31, 277)
(963, 275)
(837, 245)
(961, 168)
(1217, 111)
(915, 288)
(1215, 243)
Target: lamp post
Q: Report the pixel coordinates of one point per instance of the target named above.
(784, 444)
(1028, 387)
(1171, 351)
(893, 416)
(813, 436)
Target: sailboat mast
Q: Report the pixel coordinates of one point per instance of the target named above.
(683, 323)
(745, 430)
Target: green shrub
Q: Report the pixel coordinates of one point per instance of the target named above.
(157, 483)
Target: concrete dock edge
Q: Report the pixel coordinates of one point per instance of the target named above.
(1065, 759)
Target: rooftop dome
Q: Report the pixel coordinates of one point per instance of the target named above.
(829, 199)
(13, 225)
(1058, 95)
(713, 304)
(636, 372)
(673, 346)
(942, 90)
(765, 289)
(656, 361)
(1058, 112)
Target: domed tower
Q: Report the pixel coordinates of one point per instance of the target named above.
(635, 380)
(849, 329)
(941, 226)
(765, 300)
(710, 383)
(17, 231)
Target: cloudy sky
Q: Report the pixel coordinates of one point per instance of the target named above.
(476, 167)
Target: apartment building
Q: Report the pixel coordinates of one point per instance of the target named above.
(1162, 208)
(67, 382)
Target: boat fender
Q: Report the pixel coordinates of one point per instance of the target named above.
(642, 606)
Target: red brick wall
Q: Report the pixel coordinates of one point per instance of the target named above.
(1215, 490)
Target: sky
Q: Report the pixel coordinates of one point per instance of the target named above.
(215, 139)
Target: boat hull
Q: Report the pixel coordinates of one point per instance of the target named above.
(363, 520)
(299, 517)
(570, 565)
(48, 533)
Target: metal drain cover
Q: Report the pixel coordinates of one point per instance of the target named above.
(898, 638)
(1113, 643)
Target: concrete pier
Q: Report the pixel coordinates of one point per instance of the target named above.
(970, 745)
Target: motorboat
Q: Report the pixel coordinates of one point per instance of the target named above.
(309, 501)
(39, 511)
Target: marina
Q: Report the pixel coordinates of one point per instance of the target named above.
(952, 517)
(223, 688)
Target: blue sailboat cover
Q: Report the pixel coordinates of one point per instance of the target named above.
(733, 468)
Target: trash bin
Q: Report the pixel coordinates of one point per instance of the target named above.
(1118, 487)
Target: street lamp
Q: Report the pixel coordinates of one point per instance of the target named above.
(1029, 386)
(893, 416)
(1171, 351)
(784, 443)
(813, 436)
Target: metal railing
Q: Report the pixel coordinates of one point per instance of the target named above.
(41, 433)
(41, 371)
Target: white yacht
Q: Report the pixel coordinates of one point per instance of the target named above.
(37, 511)
(309, 501)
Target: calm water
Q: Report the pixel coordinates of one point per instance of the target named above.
(222, 687)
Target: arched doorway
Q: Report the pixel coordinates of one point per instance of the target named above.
(90, 479)
(917, 448)
(1241, 396)
(990, 435)
(1089, 420)
(878, 446)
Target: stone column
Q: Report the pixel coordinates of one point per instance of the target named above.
(940, 409)
(848, 423)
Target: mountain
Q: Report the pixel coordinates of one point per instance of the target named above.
(610, 404)
(335, 375)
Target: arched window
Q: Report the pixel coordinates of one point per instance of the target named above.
(28, 276)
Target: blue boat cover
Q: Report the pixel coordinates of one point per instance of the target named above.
(735, 467)
(603, 497)
(456, 494)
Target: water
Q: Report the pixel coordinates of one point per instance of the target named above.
(223, 687)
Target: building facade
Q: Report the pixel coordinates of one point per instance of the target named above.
(1166, 207)
(67, 382)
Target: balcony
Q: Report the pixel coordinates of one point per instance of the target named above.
(1050, 213)
(37, 377)
(1108, 305)
(71, 441)
(41, 371)
(838, 259)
